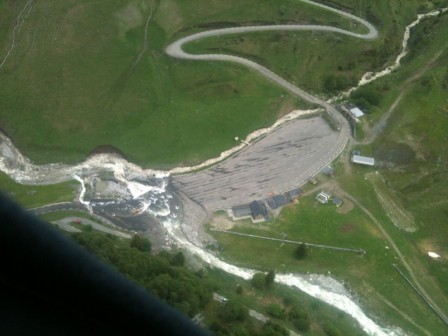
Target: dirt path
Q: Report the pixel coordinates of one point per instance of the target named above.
(145, 38)
(402, 258)
(26, 10)
(379, 127)
(375, 131)
(404, 315)
(334, 186)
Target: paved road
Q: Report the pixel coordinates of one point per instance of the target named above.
(75, 206)
(64, 206)
(95, 226)
(284, 159)
(175, 50)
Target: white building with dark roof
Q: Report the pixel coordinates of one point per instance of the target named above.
(323, 197)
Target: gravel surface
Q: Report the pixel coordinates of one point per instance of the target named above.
(284, 159)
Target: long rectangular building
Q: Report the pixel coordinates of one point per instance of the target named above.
(363, 160)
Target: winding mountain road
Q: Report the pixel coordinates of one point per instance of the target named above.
(176, 49)
(290, 154)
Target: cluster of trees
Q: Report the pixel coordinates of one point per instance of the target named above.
(163, 275)
(367, 97)
(262, 280)
(297, 316)
(336, 83)
(331, 330)
(301, 251)
(141, 243)
(233, 320)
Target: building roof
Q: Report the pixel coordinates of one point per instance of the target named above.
(328, 171)
(323, 197)
(337, 201)
(312, 180)
(356, 112)
(242, 211)
(271, 203)
(258, 210)
(364, 160)
(277, 201)
(291, 195)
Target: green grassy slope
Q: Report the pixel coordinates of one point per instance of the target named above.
(35, 196)
(75, 81)
(413, 145)
(320, 62)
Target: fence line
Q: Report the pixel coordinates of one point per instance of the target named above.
(346, 249)
(434, 309)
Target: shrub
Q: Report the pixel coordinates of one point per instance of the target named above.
(141, 243)
(331, 330)
(259, 280)
(276, 311)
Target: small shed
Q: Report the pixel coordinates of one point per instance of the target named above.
(323, 197)
(329, 171)
(337, 201)
(363, 160)
(356, 112)
(312, 180)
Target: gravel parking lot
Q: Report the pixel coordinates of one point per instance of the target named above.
(284, 159)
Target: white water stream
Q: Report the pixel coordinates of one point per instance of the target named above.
(372, 76)
(149, 187)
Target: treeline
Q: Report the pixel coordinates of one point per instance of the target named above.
(232, 319)
(162, 275)
(166, 276)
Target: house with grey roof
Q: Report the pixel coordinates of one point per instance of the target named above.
(242, 211)
(337, 201)
(259, 211)
(277, 201)
(293, 194)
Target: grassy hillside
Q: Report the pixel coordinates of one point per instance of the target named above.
(35, 196)
(80, 77)
(320, 62)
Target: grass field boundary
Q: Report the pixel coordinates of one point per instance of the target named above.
(434, 309)
(400, 255)
(328, 247)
